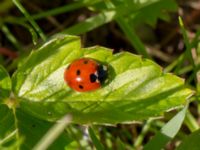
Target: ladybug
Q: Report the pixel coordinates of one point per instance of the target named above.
(85, 74)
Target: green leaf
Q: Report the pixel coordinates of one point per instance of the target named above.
(160, 11)
(103, 17)
(5, 83)
(7, 126)
(136, 12)
(55, 54)
(167, 132)
(137, 88)
(191, 142)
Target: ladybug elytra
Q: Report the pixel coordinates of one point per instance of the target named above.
(85, 74)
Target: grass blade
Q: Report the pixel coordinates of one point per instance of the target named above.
(64, 9)
(167, 132)
(89, 24)
(53, 133)
(186, 41)
(144, 131)
(133, 38)
(25, 25)
(11, 37)
(30, 19)
(191, 122)
(95, 140)
(187, 53)
(129, 32)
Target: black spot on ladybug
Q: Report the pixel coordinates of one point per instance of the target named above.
(80, 87)
(78, 72)
(93, 78)
(85, 62)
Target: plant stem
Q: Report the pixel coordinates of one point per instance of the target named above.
(191, 122)
(144, 131)
(16, 124)
(7, 138)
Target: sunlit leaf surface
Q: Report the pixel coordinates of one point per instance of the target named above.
(137, 88)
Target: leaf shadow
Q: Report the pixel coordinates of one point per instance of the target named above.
(127, 110)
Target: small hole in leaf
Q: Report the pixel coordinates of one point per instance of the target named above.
(49, 113)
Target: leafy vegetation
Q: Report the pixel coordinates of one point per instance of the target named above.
(39, 111)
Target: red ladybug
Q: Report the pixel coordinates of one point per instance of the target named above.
(85, 74)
